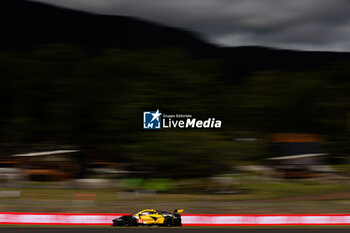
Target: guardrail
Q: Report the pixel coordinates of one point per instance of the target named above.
(187, 219)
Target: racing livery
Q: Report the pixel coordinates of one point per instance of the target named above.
(150, 217)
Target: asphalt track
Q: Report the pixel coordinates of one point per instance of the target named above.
(173, 230)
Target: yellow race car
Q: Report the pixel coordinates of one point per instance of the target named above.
(150, 217)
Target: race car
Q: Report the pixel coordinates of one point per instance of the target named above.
(150, 217)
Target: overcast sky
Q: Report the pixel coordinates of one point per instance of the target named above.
(295, 24)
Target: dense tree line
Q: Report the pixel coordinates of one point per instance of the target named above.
(63, 95)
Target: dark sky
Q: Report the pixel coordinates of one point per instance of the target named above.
(295, 24)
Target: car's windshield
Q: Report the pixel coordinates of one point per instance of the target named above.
(135, 212)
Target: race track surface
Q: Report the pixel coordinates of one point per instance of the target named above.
(173, 230)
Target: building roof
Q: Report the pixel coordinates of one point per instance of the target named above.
(299, 156)
(45, 153)
(294, 138)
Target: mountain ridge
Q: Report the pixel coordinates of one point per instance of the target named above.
(26, 24)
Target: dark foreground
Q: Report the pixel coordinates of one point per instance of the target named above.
(174, 230)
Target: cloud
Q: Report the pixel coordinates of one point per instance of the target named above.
(297, 24)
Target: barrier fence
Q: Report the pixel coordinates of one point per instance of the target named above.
(187, 219)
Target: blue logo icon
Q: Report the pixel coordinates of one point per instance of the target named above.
(152, 120)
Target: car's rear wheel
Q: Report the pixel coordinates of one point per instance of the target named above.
(127, 222)
(168, 222)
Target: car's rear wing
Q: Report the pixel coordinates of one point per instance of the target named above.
(178, 211)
